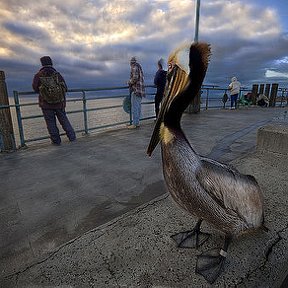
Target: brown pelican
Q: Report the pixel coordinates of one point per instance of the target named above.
(209, 190)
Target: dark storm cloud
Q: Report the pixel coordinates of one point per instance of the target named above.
(25, 30)
(87, 65)
(248, 60)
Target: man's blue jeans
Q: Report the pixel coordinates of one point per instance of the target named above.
(136, 108)
(234, 100)
(50, 119)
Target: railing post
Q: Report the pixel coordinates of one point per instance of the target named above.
(130, 114)
(273, 95)
(207, 99)
(19, 119)
(261, 89)
(238, 99)
(267, 90)
(282, 97)
(254, 93)
(7, 139)
(85, 113)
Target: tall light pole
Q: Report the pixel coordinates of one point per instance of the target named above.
(197, 15)
(195, 105)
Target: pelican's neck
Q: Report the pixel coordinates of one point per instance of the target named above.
(172, 135)
(176, 149)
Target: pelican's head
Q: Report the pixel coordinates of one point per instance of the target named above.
(189, 65)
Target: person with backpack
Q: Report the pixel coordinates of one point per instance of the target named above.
(51, 86)
(159, 82)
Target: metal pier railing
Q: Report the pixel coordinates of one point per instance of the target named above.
(90, 104)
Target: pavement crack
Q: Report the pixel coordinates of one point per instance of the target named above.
(269, 249)
(18, 273)
(107, 260)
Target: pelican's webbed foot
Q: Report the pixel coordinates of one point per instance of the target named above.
(192, 238)
(210, 264)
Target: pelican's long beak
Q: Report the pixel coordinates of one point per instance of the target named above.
(178, 82)
(168, 99)
(155, 138)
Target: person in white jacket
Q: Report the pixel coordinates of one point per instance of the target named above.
(234, 88)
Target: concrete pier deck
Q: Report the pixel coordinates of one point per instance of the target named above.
(95, 213)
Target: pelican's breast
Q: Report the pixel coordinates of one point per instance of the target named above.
(179, 165)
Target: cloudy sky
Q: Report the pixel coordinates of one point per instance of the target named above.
(92, 41)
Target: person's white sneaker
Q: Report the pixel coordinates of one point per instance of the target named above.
(133, 126)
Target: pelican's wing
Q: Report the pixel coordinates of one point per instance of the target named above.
(235, 192)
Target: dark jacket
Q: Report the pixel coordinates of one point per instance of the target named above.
(47, 71)
(160, 81)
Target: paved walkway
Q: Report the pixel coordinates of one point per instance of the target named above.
(69, 216)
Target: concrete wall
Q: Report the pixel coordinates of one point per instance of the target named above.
(273, 138)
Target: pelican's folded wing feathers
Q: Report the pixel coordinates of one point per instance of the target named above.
(235, 192)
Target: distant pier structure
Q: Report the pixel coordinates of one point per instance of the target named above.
(269, 90)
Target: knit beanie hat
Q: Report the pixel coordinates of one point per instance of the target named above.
(46, 61)
(133, 60)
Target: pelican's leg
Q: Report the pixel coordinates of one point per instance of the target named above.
(192, 238)
(210, 263)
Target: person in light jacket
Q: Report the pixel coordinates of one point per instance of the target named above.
(234, 88)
